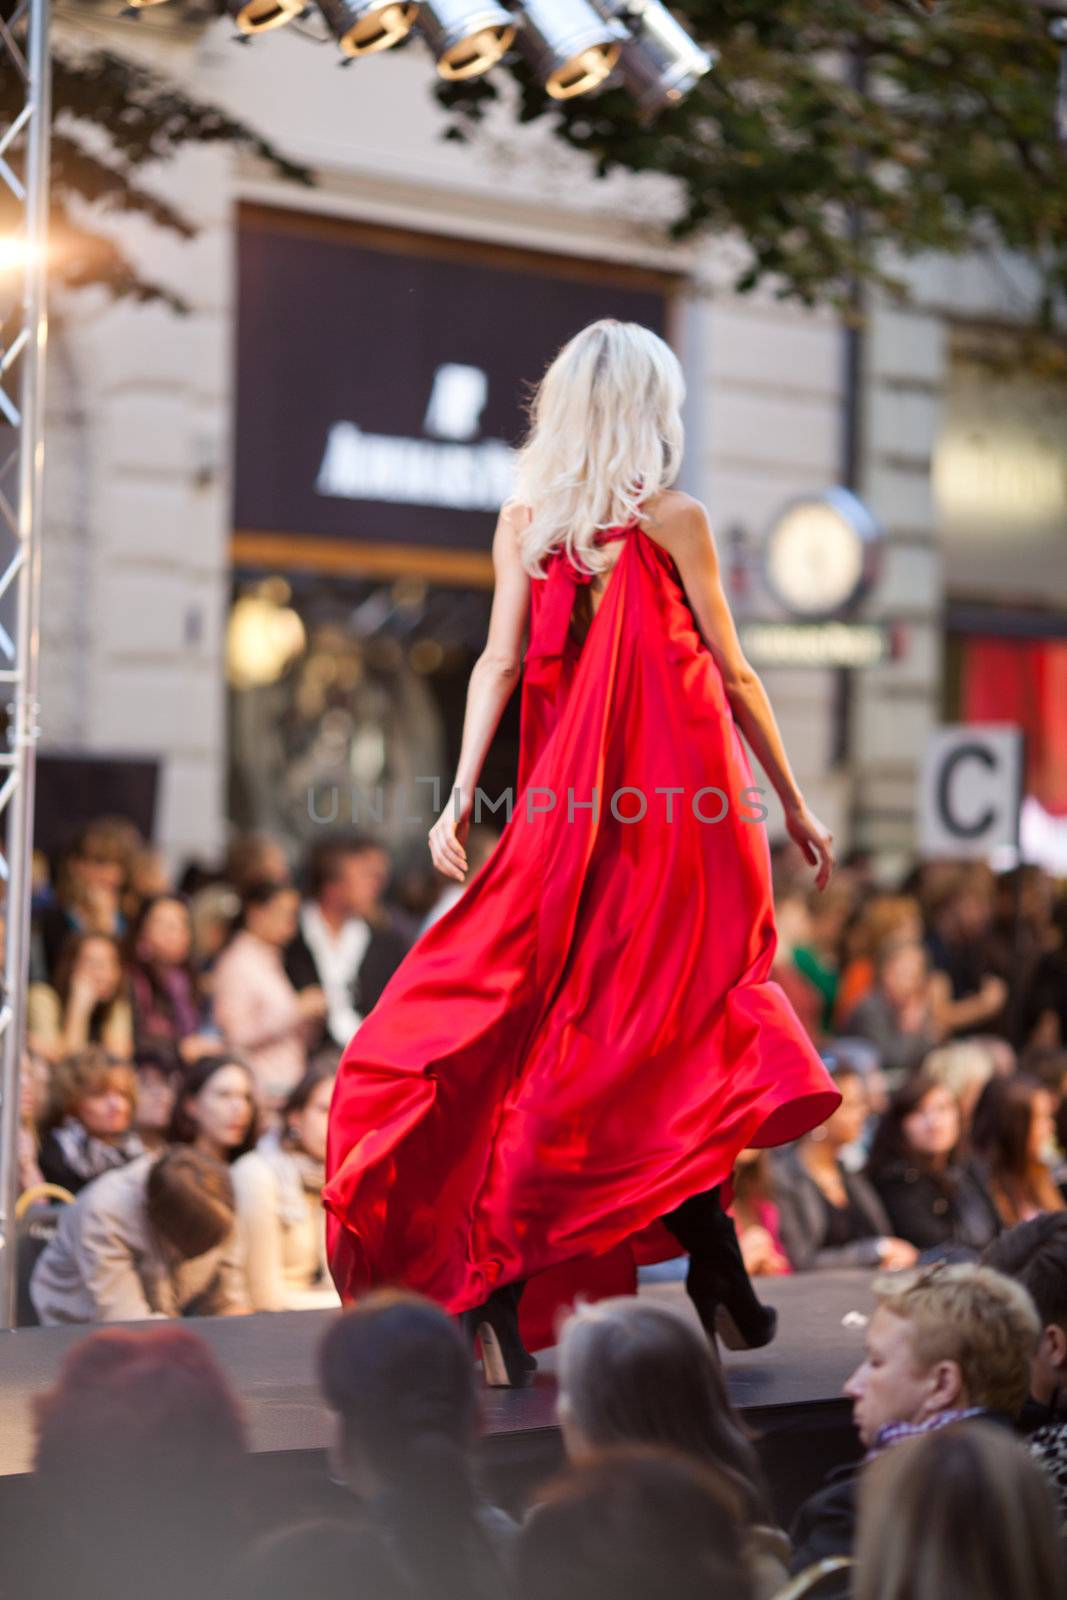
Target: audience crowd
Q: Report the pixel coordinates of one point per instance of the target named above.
(182, 1043)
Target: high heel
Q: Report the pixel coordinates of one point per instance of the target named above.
(717, 1281)
(506, 1362)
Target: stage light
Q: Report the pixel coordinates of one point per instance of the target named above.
(659, 62)
(363, 26)
(467, 37)
(571, 47)
(260, 16)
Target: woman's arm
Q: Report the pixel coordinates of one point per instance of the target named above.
(492, 681)
(681, 525)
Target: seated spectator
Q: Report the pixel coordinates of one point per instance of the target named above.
(933, 1197)
(90, 881)
(398, 1373)
(636, 1373)
(157, 1238)
(819, 958)
(754, 1209)
(147, 879)
(254, 858)
(1013, 1138)
(159, 1078)
(1043, 1018)
(635, 1524)
(830, 1217)
(215, 1110)
(882, 920)
(959, 912)
(167, 1009)
(35, 1093)
(960, 1512)
(946, 1343)
(347, 945)
(139, 1447)
(793, 922)
(279, 1203)
(90, 1125)
(324, 1560)
(898, 1013)
(964, 1067)
(88, 1004)
(1035, 1255)
(257, 1009)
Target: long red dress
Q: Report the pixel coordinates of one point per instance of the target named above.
(590, 1034)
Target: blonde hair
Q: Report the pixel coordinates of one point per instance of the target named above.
(974, 1316)
(605, 434)
(961, 1066)
(963, 1511)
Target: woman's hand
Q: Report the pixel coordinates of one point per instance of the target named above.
(813, 840)
(447, 839)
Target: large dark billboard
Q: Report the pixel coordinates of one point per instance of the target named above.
(381, 375)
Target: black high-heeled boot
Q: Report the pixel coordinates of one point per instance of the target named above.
(717, 1281)
(495, 1324)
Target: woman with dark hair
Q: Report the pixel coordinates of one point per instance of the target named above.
(89, 1127)
(139, 1447)
(1012, 1133)
(87, 1002)
(635, 1373)
(324, 1559)
(216, 1109)
(168, 1013)
(933, 1196)
(279, 1202)
(397, 1371)
(635, 1525)
(257, 1009)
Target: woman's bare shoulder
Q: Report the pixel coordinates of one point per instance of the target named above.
(671, 517)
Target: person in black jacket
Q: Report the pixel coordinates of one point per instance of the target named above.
(946, 1343)
(934, 1197)
(348, 944)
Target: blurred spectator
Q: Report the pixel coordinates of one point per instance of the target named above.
(933, 1196)
(147, 879)
(963, 1067)
(793, 924)
(257, 1009)
(1044, 1016)
(1049, 1067)
(884, 919)
(88, 1003)
(167, 1009)
(254, 858)
(215, 1110)
(639, 1374)
(635, 1524)
(159, 1078)
(140, 1443)
(961, 1512)
(1022, 933)
(398, 1373)
(280, 1219)
(960, 915)
(1013, 1138)
(325, 1560)
(89, 1125)
(754, 1209)
(830, 1217)
(213, 910)
(157, 1238)
(346, 945)
(819, 959)
(897, 1014)
(1035, 1255)
(35, 1092)
(945, 1344)
(89, 885)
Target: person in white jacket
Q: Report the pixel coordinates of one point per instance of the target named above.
(280, 1218)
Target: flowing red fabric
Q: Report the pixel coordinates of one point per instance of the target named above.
(590, 1034)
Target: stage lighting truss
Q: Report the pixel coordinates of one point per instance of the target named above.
(466, 37)
(570, 46)
(659, 63)
(363, 26)
(262, 16)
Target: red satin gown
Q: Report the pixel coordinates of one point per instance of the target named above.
(590, 1034)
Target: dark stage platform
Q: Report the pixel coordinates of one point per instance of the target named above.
(789, 1394)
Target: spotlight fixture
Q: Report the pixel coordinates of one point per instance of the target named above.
(571, 47)
(659, 62)
(467, 37)
(260, 16)
(363, 26)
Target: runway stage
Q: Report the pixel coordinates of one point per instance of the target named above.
(789, 1394)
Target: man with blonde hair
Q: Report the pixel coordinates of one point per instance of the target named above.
(946, 1343)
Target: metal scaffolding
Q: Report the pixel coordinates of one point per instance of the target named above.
(24, 151)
